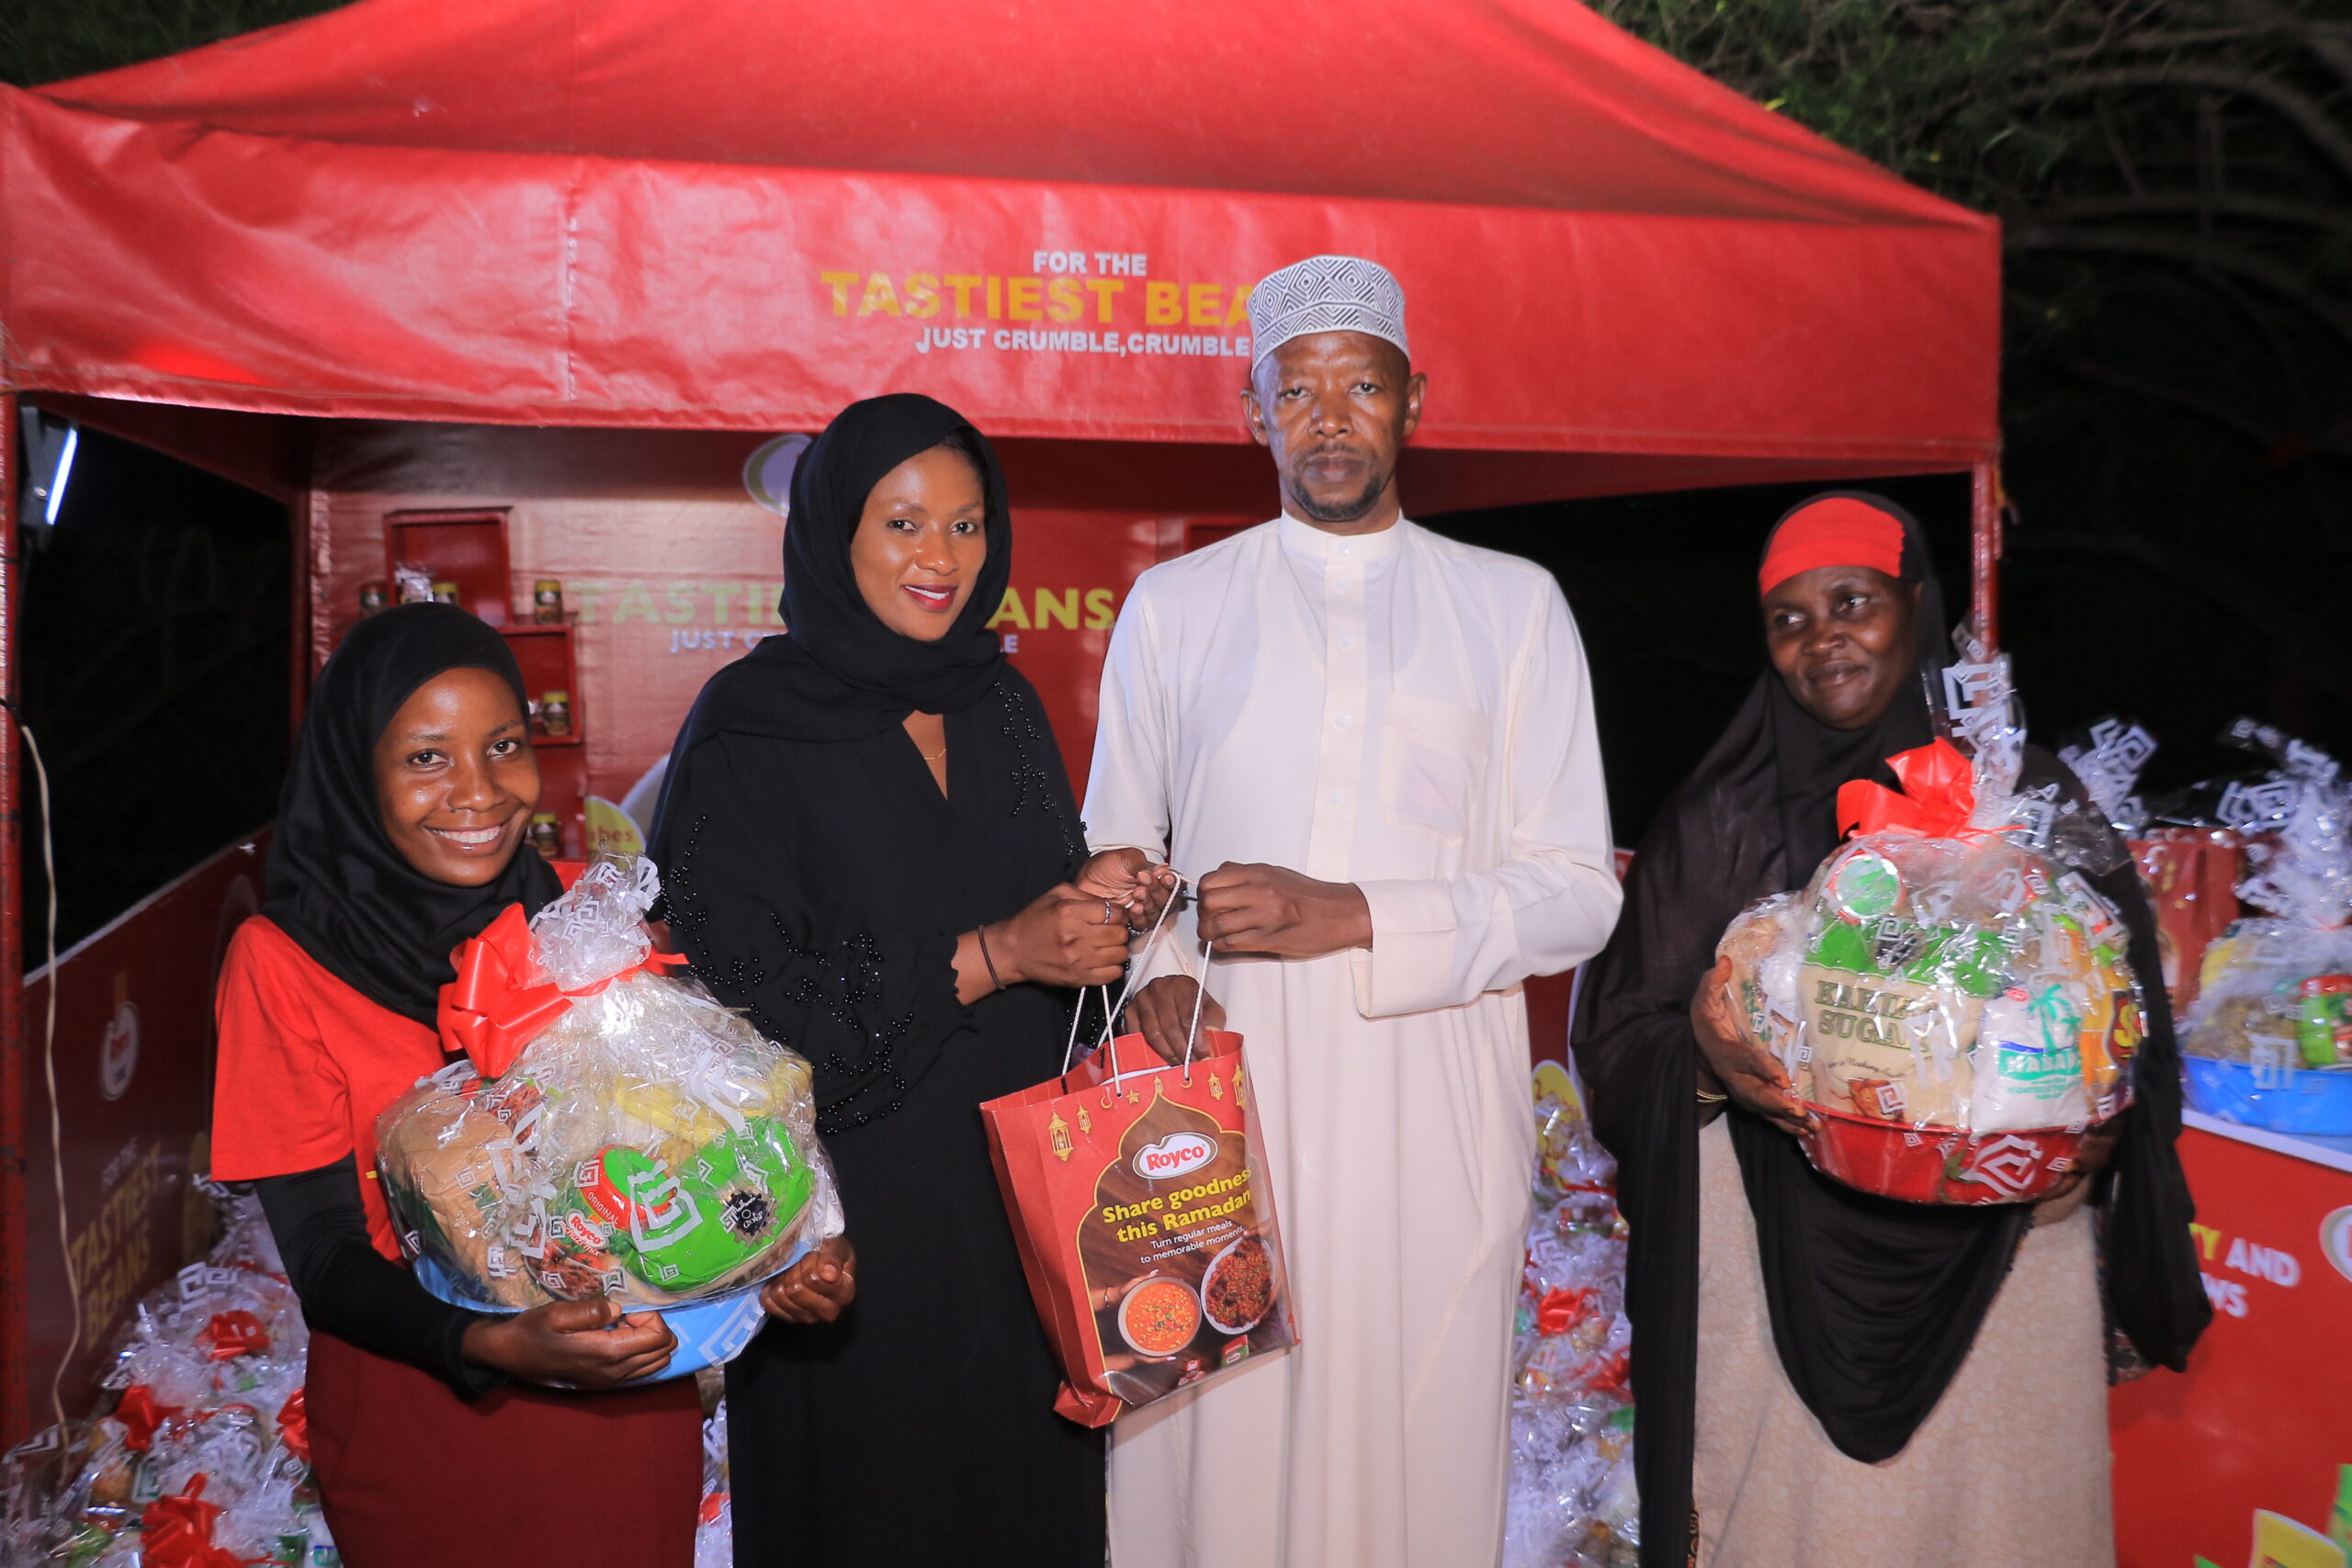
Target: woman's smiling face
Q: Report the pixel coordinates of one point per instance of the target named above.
(1844, 640)
(455, 782)
(920, 543)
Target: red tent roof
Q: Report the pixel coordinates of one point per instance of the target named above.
(745, 212)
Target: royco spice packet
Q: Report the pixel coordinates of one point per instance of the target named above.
(1145, 1225)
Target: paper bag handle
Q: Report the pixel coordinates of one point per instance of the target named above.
(1110, 1011)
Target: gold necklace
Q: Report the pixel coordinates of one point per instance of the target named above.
(931, 756)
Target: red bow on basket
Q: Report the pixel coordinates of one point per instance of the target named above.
(176, 1532)
(493, 1007)
(1938, 794)
(1558, 1311)
(235, 1333)
(140, 1412)
(294, 1427)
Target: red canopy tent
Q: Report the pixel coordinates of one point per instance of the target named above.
(739, 214)
(367, 241)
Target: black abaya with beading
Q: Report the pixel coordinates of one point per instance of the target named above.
(822, 885)
(819, 878)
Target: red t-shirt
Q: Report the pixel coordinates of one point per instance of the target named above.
(307, 1065)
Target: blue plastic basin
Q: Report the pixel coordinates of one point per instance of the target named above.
(2283, 1100)
(710, 1333)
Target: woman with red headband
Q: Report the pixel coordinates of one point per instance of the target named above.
(1827, 1377)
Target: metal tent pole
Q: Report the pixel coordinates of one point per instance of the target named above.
(1985, 551)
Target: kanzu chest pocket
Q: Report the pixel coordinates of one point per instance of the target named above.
(1433, 764)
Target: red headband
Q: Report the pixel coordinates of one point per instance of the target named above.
(1836, 530)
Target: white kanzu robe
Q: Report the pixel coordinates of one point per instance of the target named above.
(1413, 715)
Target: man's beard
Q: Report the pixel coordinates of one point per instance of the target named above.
(1342, 512)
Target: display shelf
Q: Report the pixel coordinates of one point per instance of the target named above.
(563, 790)
(2333, 1153)
(468, 548)
(549, 664)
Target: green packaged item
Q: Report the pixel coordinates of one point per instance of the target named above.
(1975, 959)
(681, 1229)
(2324, 1021)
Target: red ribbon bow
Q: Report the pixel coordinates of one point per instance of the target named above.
(1938, 794)
(492, 1008)
(176, 1532)
(1558, 1311)
(235, 1333)
(1612, 1376)
(140, 1413)
(294, 1427)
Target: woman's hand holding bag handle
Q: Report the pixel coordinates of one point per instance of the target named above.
(1063, 938)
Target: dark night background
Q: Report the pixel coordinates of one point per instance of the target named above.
(2172, 177)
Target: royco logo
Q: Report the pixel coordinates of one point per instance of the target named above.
(1174, 1156)
(2336, 1240)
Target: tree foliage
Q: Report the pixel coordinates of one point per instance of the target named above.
(50, 41)
(2173, 179)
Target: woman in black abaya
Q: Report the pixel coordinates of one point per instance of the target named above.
(1825, 1377)
(868, 840)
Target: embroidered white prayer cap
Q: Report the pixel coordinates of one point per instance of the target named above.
(1326, 294)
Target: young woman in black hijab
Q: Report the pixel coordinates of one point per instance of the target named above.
(868, 842)
(400, 835)
(1856, 1380)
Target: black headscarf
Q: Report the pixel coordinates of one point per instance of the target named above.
(838, 673)
(336, 885)
(1873, 1303)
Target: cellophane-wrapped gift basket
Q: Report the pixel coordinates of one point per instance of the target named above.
(2269, 1041)
(1572, 1502)
(614, 1132)
(1948, 993)
(198, 1454)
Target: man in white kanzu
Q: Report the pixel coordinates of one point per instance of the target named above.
(1375, 747)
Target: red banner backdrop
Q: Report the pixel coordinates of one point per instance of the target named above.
(2263, 1418)
(670, 570)
(133, 1064)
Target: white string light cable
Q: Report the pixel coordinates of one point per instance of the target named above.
(48, 1066)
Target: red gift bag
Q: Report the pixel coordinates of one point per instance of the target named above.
(1145, 1225)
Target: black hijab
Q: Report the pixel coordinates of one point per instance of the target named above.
(336, 885)
(1873, 1303)
(838, 673)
